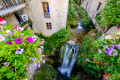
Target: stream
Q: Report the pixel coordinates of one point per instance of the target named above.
(65, 57)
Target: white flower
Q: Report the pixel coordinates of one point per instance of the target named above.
(38, 65)
(99, 51)
(9, 32)
(42, 47)
(39, 50)
(34, 37)
(43, 61)
(19, 51)
(20, 29)
(2, 38)
(108, 37)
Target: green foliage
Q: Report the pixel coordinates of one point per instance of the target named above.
(46, 72)
(88, 48)
(93, 69)
(13, 66)
(109, 64)
(86, 21)
(29, 22)
(55, 40)
(72, 12)
(110, 15)
(103, 61)
(24, 24)
(80, 11)
(71, 17)
(78, 2)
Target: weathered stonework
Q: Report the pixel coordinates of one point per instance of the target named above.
(11, 19)
(58, 15)
(91, 7)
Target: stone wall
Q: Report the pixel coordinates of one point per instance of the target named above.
(58, 15)
(91, 7)
(11, 19)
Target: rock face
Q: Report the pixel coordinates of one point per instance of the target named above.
(31, 71)
(71, 42)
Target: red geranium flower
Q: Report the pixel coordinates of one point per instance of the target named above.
(98, 63)
(15, 27)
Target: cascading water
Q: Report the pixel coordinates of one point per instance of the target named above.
(79, 25)
(68, 56)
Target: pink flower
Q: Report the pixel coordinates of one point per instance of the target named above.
(93, 34)
(118, 33)
(1, 19)
(18, 40)
(87, 60)
(2, 22)
(119, 28)
(118, 45)
(9, 42)
(29, 39)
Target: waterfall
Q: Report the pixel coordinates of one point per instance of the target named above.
(68, 57)
(79, 25)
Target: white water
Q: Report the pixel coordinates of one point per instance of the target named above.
(79, 25)
(69, 57)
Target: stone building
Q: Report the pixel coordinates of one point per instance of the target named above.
(93, 7)
(47, 16)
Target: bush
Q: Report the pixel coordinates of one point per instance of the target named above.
(86, 22)
(17, 50)
(102, 57)
(55, 40)
(46, 72)
(72, 12)
(88, 48)
(109, 16)
(80, 11)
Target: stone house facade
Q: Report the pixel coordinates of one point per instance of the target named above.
(93, 7)
(48, 16)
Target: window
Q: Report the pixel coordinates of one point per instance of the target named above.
(99, 5)
(46, 9)
(48, 25)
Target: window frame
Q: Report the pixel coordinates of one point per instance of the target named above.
(46, 9)
(49, 26)
(99, 5)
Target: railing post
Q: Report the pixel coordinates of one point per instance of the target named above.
(2, 4)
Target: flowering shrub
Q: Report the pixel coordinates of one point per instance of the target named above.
(18, 49)
(88, 47)
(108, 57)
